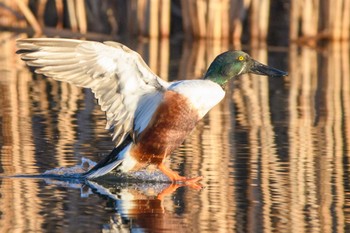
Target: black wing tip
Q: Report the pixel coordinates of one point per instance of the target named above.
(23, 51)
(25, 45)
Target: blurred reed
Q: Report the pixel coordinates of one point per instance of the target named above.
(319, 134)
(230, 20)
(293, 177)
(287, 189)
(15, 117)
(320, 19)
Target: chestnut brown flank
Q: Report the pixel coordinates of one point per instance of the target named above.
(173, 120)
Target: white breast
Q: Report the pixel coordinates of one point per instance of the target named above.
(203, 94)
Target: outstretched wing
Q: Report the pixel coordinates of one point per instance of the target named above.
(117, 75)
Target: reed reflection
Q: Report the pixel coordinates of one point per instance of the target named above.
(145, 206)
(274, 154)
(292, 194)
(318, 132)
(207, 151)
(15, 114)
(264, 184)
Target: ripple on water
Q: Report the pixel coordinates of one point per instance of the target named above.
(143, 175)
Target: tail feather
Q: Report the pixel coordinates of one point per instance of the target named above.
(106, 165)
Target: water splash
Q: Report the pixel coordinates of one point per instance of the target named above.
(144, 175)
(77, 170)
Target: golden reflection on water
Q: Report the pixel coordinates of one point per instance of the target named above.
(268, 164)
(319, 135)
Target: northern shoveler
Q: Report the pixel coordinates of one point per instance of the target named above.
(148, 116)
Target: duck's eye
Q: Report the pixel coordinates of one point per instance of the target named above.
(240, 58)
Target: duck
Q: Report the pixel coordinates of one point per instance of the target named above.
(147, 116)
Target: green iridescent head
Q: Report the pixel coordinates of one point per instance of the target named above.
(231, 64)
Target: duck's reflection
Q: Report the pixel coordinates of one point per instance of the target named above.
(134, 205)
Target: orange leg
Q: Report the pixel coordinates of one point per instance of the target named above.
(174, 177)
(168, 191)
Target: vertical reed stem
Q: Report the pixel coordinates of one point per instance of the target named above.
(186, 21)
(81, 14)
(72, 16)
(59, 7)
(200, 11)
(346, 20)
(153, 26)
(165, 18)
(29, 16)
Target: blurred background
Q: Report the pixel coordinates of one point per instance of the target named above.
(233, 20)
(274, 153)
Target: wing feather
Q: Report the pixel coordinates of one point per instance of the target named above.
(117, 75)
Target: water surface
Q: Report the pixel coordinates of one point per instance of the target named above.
(274, 153)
